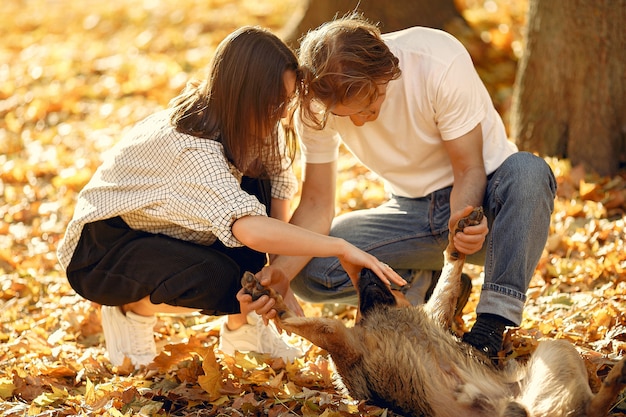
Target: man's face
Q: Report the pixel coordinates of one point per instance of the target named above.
(361, 111)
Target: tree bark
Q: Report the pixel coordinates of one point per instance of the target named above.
(392, 16)
(570, 92)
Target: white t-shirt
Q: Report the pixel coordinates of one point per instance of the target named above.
(438, 97)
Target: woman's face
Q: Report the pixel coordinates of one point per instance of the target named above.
(289, 79)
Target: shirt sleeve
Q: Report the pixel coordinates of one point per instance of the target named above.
(206, 196)
(285, 183)
(462, 100)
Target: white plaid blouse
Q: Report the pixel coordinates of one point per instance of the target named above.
(162, 181)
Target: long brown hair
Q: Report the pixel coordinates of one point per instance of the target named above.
(342, 60)
(242, 100)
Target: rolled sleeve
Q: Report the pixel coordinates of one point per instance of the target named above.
(284, 185)
(208, 197)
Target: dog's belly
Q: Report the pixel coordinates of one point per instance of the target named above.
(413, 366)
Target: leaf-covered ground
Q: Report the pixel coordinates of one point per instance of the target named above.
(75, 75)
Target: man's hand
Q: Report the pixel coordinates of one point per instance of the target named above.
(472, 238)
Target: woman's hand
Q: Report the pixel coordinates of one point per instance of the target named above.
(275, 278)
(472, 238)
(354, 259)
(272, 276)
(263, 305)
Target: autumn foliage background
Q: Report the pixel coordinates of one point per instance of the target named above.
(75, 75)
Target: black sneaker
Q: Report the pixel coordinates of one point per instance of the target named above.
(487, 334)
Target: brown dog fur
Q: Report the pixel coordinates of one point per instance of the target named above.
(405, 358)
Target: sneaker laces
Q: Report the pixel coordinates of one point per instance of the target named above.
(142, 341)
(269, 340)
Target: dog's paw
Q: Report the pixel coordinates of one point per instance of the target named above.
(471, 396)
(515, 409)
(473, 219)
(253, 287)
(617, 376)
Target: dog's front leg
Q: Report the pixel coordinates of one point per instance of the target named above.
(442, 304)
(329, 334)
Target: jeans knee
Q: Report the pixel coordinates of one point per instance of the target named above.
(304, 289)
(530, 175)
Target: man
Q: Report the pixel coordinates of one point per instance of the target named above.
(411, 107)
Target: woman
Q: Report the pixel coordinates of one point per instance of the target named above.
(191, 198)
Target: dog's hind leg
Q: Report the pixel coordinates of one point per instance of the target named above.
(442, 304)
(612, 385)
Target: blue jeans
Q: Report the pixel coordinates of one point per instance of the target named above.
(410, 234)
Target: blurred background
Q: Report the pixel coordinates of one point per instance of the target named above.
(75, 75)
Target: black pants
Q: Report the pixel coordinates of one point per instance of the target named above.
(115, 265)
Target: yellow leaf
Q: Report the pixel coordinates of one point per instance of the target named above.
(277, 380)
(90, 392)
(114, 412)
(48, 398)
(211, 381)
(151, 409)
(6, 388)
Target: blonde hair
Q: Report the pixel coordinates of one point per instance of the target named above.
(241, 102)
(343, 60)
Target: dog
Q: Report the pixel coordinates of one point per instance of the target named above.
(406, 359)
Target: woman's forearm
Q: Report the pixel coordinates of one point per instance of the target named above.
(265, 234)
(269, 235)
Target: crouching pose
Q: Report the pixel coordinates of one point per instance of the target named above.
(190, 198)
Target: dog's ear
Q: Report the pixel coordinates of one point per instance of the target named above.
(401, 300)
(373, 292)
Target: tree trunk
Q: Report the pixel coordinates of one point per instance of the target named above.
(392, 16)
(570, 93)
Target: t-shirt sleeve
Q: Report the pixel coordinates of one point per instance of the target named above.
(317, 146)
(206, 196)
(462, 100)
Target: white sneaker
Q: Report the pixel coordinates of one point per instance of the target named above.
(257, 337)
(128, 335)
